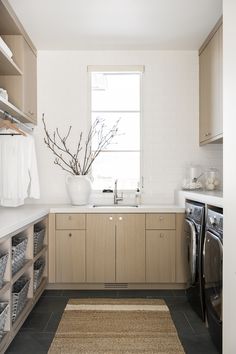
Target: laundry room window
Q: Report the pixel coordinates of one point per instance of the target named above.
(116, 96)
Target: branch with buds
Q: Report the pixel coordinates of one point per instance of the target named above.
(79, 162)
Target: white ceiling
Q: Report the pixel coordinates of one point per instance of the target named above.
(117, 24)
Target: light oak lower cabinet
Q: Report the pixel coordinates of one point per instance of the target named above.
(100, 248)
(130, 248)
(115, 248)
(160, 256)
(70, 256)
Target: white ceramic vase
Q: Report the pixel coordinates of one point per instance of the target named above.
(79, 189)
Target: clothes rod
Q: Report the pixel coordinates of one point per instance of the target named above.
(16, 120)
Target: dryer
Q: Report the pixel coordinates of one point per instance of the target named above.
(194, 233)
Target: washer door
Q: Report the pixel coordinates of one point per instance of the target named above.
(212, 273)
(191, 236)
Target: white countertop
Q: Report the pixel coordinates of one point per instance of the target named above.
(207, 197)
(117, 209)
(13, 219)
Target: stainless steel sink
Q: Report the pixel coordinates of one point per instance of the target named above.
(115, 206)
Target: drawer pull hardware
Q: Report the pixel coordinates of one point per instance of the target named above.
(70, 234)
(120, 218)
(162, 235)
(110, 218)
(161, 218)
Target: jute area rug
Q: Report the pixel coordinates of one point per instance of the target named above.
(116, 326)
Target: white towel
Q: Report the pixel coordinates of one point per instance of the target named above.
(18, 170)
(5, 48)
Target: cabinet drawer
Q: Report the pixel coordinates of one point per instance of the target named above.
(70, 221)
(160, 221)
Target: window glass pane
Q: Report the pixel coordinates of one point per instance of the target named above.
(128, 137)
(109, 166)
(115, 92)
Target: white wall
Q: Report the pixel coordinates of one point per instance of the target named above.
(229, 89)
(170, 115)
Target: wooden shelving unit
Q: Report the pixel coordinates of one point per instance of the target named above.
(11, 328)
(7, 65)
(18, 75)
(8, 107)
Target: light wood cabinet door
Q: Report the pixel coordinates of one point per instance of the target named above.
(100, 248)
(70, 256)
(30, 83)
(210, 90)
(130, 248)
(160, 256)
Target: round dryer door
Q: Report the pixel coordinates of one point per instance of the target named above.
(191, 236)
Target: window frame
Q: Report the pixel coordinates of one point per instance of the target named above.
(120, 69)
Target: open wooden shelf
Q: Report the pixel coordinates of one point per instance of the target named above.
(4, 342)
(5, 287)
(22, 316)
(20, 272)
(40, 289)
(42, 252)
(7, 65)
(8, 107)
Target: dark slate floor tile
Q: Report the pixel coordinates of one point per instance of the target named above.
(198, 344)
(53, 322)
(52, 293)
(72, 294)
(51, 304)
(178, 303)
(181, 323)
(151, 294)
(179, 292)
(197, 324)
(36, 321)
(30, 343)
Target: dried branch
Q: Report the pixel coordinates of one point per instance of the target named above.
(72, 162)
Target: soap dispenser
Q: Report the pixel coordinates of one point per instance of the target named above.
(138, 195)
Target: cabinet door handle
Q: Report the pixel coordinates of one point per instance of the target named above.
(70, 234)
(120, 218)
(161, 218)
(162, 235)
(110, 218)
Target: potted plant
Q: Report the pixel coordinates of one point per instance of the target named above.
(78, 163)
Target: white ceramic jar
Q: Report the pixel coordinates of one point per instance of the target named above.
(79, 189)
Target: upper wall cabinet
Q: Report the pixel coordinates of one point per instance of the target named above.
(210, 86)
(18, 74)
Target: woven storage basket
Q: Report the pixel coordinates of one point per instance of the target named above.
(19, 296)
(39, 266)
(4, 308)
(3, 264)
(38, 240)
(19, 245)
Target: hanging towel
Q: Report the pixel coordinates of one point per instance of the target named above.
(18, 170)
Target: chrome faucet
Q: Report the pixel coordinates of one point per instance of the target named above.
(117, 198)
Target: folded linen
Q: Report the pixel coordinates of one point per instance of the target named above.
(5, 48)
